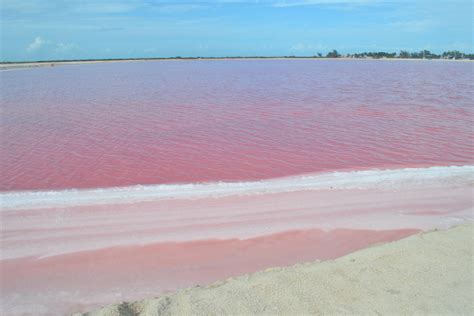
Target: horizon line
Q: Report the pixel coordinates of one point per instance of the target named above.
(348, 56)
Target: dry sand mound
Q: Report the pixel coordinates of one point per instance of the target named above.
(429, 273)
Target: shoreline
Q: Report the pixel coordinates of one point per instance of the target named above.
(6, 66)
(336, 179)
(430, 272)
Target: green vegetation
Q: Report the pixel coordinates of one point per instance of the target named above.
(333, 54)
(424, 54)
(374, 55)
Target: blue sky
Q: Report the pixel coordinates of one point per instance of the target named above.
(81, 29)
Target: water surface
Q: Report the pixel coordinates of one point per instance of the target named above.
(128, 123)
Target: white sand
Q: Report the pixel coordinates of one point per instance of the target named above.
(26, 65)
(428, 273)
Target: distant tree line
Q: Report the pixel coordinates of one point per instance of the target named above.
(424, 54)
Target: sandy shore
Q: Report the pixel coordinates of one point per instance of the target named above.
(428, 273)
(26, 65)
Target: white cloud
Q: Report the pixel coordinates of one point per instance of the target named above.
(37, 43)
(64, 47)
(41, 44)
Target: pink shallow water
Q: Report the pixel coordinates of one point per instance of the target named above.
(86, 280)
(76, 258)
(118, 124)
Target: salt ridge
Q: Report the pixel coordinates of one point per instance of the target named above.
(361, 179)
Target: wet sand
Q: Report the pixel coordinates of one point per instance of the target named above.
(429, 273)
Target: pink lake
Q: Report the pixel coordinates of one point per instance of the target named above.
(128, 123)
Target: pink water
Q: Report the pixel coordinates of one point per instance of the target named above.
(119, 124)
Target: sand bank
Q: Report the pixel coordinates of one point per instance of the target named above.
(428, 273)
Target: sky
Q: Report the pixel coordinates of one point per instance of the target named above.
(87, 29)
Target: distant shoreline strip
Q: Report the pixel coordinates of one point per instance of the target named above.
(8, 66)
